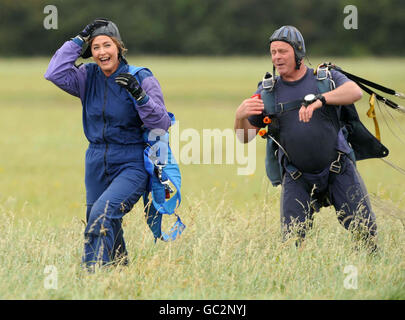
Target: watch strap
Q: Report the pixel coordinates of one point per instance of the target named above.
(322, 98)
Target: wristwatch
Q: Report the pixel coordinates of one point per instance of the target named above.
(311, 98)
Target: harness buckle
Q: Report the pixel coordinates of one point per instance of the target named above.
(296, 174)
(323, 72)
(158, 171)
(167, 186)
(268, 82)
(279, 107)
(336, 166)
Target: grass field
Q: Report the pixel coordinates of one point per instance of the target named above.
(231, 248)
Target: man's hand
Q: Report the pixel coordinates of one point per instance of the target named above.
(249, 107)
(305, 113)
(129, 82)
(89, 29)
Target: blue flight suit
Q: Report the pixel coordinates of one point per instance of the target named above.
(115, 175)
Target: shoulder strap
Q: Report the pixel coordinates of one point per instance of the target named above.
(269, 101)
(363, 143)
(135, 70)
(324, 79)
(325, 83)
(272, 165)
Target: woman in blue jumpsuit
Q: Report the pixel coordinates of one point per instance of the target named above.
(116, 107)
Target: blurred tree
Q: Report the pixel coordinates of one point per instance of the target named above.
(208, 27)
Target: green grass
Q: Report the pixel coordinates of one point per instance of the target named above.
(231, 248)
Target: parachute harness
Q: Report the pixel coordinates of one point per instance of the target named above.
(364, 84)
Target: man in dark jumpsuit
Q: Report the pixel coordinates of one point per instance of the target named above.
(312, 138)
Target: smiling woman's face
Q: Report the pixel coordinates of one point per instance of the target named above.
(105, 54)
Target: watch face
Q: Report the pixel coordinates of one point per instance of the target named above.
(309, 97)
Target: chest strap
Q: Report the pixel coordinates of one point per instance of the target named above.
(287, 106)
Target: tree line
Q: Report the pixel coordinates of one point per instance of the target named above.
(209, 27)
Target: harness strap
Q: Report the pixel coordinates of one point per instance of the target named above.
(288, 166)
(287, 106)
(162, 169)
(325, 83)
(174, 231)
(371, 114)
(335, 166)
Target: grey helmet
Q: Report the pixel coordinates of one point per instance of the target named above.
(292, 36)
(110, 30)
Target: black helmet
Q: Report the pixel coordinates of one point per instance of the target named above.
(292, 36)
(110, 30)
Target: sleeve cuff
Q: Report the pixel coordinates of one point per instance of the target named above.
(144, 100)
(79, 41)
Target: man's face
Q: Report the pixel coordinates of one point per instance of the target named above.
(283, 58)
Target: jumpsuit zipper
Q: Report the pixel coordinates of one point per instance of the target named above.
(105, 124)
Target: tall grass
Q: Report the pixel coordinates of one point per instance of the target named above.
(225, 253)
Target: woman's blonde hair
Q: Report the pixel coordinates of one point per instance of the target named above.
(120, 45)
